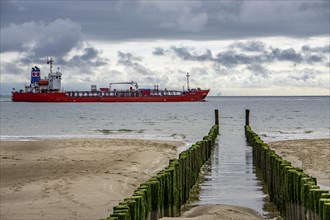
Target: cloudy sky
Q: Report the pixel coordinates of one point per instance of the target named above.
(232, 47)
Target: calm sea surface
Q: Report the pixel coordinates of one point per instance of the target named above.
(274, 118)
(229, 179)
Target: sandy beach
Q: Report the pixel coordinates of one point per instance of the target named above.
(313, 156)
(86, 178)
(75, 178)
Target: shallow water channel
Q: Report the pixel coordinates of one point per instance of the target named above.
(230, 177)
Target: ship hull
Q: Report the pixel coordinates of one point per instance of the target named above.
(195, 96)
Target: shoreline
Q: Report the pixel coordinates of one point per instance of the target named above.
(10, 138)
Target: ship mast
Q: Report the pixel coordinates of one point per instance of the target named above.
(188, 81)
(50, 62)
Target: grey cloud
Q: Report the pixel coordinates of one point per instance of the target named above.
(314, 59)
(226, 11)
(89, 53)
(158, 51)
(320, 6)
(61, 39)
(285, 55)
(295, 56)
(185, 16)
(220, 69)
(186, 53)
(231, 57)
(56, 38)
(258, 69)
(192, 22)
(11, 68)
(197, 20)
(127, 59)
(133, 64)
(304, 76)
(197, 71)
(18, 37)
(228, 58)
(90, 58)
(253, 45)
(307, 48)
(85, 63)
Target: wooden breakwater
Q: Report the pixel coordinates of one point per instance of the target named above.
(296, 194)
(165, 193)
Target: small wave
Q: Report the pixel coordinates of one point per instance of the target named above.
(149, 122)
(80, 136)
(279, 136)
(109, 131)
(105, 131)
(175, 135)
(287, 132)
(125, 130)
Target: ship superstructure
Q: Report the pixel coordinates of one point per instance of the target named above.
(51, 83)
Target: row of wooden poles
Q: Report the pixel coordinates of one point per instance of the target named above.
(165, 193)
(296, 194)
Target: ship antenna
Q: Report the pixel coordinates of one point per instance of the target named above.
(188, 81)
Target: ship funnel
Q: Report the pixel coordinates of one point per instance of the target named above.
(35, 75)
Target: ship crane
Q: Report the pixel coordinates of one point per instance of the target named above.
(131, 83)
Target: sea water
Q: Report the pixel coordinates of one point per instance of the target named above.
(274, 118)
(231, 176)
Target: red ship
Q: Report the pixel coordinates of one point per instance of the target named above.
(49, 90)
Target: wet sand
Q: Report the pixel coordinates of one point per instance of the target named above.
(218, 212)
